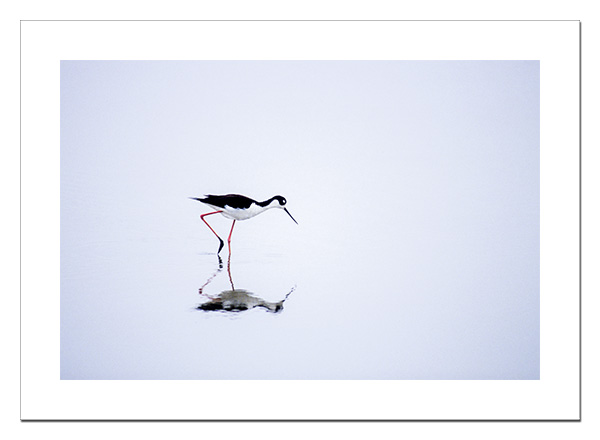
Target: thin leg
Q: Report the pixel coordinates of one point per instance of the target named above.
(220, 241)
(229, 239)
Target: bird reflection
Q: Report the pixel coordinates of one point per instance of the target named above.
(236, 300)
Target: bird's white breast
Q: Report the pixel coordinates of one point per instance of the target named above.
(241, 214)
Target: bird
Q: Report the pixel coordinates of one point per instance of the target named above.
(237, 207)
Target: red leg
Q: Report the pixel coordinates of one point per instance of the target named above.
(229, 239)
(220, 241)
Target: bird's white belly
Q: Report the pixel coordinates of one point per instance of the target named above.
(241, 214)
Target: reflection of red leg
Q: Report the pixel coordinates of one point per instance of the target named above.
(220, 241)
(211, 278)
(229, 259)
(229, 268)
(229, 239)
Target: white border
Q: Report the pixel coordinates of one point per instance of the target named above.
(555, 396)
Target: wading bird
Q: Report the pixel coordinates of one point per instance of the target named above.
(237, 207)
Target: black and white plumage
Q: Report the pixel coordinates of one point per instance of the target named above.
(238, 207)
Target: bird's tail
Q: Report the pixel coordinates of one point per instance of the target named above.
(196, 198)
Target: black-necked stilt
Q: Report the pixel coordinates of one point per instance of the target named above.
(238, 207)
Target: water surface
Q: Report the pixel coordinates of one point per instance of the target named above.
(416, 190)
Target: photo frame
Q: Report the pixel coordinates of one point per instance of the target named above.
(556, 396)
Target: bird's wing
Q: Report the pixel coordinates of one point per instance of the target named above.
(235, 201)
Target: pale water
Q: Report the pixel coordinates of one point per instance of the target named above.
(416, 190)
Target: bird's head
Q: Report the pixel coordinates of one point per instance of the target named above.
(280, 202)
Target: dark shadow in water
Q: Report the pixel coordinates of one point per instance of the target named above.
(235, 300)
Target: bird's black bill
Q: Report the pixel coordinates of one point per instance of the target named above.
(285, 209)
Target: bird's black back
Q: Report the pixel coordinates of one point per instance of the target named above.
(236, 201)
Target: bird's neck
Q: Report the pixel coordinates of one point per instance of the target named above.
(267, 204)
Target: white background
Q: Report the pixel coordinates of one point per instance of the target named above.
(556, 429)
